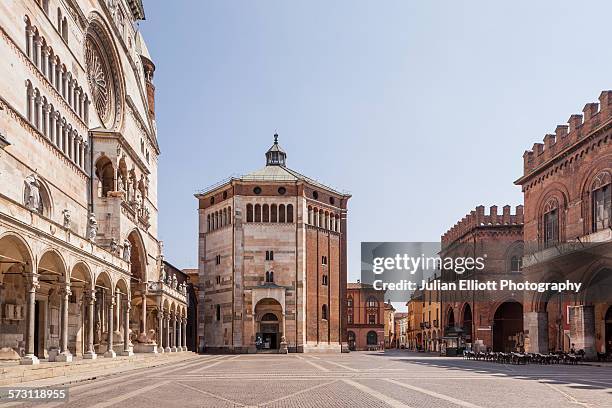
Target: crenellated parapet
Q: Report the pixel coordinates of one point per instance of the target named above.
(478, 218)
(593, 116)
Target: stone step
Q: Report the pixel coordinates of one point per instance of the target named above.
(21, 373)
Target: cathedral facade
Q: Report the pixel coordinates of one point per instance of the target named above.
(272, 262)
(81, 266)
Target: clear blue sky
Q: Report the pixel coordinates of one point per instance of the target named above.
(421, 109)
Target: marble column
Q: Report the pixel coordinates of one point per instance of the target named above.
(52, 71)
(64, 354)
(38, 112)
(31, 105)
(127, 347)
(32, 284)
(110, 353)
(30, 42)
(283, 340)
(37, 51)
(167, 342)
(174, 332)
(76, 101)
(184, 334)
(46, 117)
(160, 330)
(45, 60)
(91, 306)
(179, 340)
(143, 317)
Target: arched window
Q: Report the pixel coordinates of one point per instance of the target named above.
(224, 216)
(257, 213)
(324, 280)
(273, 213)
(349, 302)
(208, 223)
(281, 213)
(270, 277)
(218, 313)
(266, 213)
(229, 215)
(290, 213)
(601, 194)
(106, 176)
(249, 210)
(516, 264)
(372, 338)
(551, 222)
(310, 215)
(269, 317)
(324, 312)
(372, 302)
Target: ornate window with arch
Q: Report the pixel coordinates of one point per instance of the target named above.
(551, 222)
(601, 201)
(516, 263)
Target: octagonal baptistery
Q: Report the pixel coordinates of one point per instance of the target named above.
(272, 262)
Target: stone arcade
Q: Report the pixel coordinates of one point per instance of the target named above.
(80, 261)
(272, 262)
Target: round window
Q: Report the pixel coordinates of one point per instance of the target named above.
(257, 190)
(224, 195)
(332, 201)
(282, 190)
(315, 195)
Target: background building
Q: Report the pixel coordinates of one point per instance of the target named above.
(431, 330)
(485, 319)
(401, 329)
(415, 320)
(567, 188)
(365, 316)
(272, 262)
(80, 260)
(389, 325)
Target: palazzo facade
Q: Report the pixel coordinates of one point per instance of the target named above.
(567, 186)
(272, 262)
(81, 266)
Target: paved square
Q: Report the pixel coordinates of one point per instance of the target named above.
(396, 379)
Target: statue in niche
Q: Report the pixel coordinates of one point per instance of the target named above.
(127, 250)
(163, 274)
(114, 246)
(67, 220)
(174, 282)
(32, 197)
(92, 227)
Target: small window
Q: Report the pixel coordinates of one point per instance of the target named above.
(350, 319)
(218, 312)
(323, 260)
(270, 277)
(551, 227)
(269, 255)
(257, 190)
(249, 210)
(225, 195)
(349, 302)
(372, 302)
(332, 200)
(315, 195)
(324, 312)
(212, 200)
(282, 190)
(218, 260)
(324, 280)
(218, 280)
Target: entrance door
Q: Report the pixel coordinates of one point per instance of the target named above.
(269, 336)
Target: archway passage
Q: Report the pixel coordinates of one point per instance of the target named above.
(507, 327)
(608, 322)
(268, 314)
(15, 260)
(137, 257)
(467, 322)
